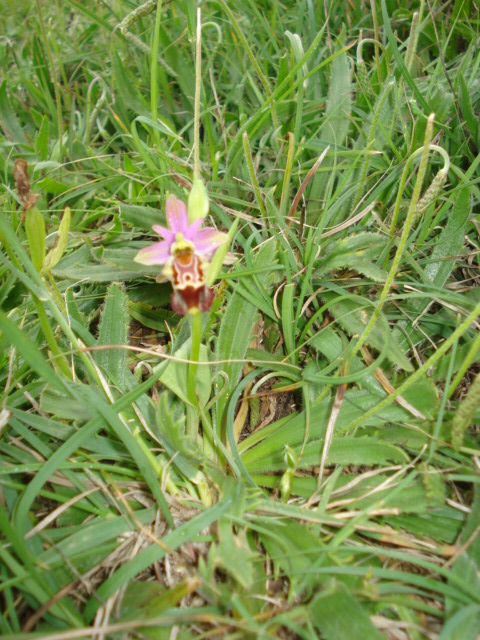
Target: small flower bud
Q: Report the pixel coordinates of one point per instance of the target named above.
(286, 485)
(290, 457)
(198, 204)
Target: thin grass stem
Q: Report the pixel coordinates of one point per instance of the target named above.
(198, 89)
(154, 72)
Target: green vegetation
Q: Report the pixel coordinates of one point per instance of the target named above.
(327, 485)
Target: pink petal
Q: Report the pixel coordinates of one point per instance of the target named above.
(157, 253)
(163, 232)
(208, 240)
(191, 231)
(176, 213)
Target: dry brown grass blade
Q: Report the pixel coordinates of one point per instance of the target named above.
(389, 388)
(304, 185)
(33, 619)
(337, 405)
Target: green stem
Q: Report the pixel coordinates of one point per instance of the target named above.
(198, 85)
(192, 423)
(192, 411)
(466, 362)
(154, 72)
(194, 356)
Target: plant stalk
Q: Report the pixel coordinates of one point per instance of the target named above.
(192, 411)
(198, 88)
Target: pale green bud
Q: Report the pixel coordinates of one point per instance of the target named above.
(286, 485)
(198, 203)
(290, 457)
(291, 460)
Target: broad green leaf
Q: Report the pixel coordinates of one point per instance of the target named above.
(35, 228)
(337, 113)
(151, 294)
(264, 449)
(114, 265)
(153, 318)
(234, 554)
(442, 525)
(328, 342)
(175, 375)
(467, 110)
(144, 600)
(450, 241)
(423, 395)
(294, 550)
(364, 493)
(359, 252)
(56, 187)
(113, 332)
(343, 450)
(42, 139)
(467, 569)
(463, 625)
(63, 405)
(339, 615)
(339, 102)
(58, 430)
(140, 216)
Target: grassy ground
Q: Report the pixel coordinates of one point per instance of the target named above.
(330, 485)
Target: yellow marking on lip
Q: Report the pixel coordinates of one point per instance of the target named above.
(181, 245)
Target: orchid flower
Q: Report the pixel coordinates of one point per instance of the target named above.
(185, 252)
